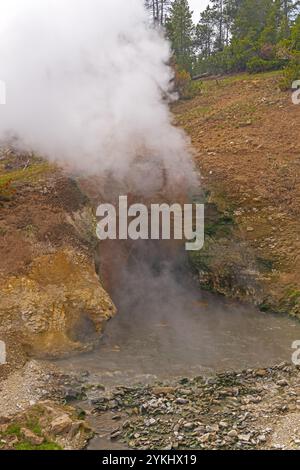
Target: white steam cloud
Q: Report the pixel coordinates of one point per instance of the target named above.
(85, 81)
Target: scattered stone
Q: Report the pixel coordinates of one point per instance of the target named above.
(115, 434)
(244, 437)
(61, 425)
(212, 428)
(31, 437)
(3, 428)
(228, 411)
(188, 426)
(205, 438)
(233, 433)
(150, 422)
(116, 417)
(261, 373)
(282, 383)
(164, 390)
(181, 401)
(223, 424)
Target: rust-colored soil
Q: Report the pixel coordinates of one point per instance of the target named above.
(245, 133)
(51, 300)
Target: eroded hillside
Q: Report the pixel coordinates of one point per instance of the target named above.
(51, 299)
(245, 134)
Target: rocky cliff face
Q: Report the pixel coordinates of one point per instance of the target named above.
(51, 301)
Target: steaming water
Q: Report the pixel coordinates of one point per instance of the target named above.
(166, 327)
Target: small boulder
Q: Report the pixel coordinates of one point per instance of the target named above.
(163, 390)
(261, 373)
(32, 437)
(61, 425)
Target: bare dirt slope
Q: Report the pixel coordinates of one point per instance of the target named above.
(245, 134)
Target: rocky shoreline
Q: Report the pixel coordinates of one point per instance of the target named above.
(251, 409)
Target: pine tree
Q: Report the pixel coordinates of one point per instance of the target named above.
(230, 11)
(251, 18)
(158, 10)
(235, 35)
(295, 35)
(180, 31)
(205, 33)
(218, 8)
(288, 8)
(271, 33)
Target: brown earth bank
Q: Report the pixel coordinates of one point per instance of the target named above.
(244, 131)
(51, 301)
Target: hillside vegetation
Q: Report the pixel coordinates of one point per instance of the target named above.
(232, 36)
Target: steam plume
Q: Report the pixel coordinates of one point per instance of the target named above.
(85, 80)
